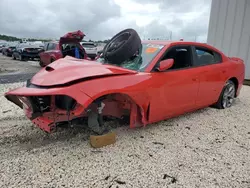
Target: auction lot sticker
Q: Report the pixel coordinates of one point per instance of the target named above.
(151, 50)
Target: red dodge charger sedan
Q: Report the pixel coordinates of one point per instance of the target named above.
(167, 79)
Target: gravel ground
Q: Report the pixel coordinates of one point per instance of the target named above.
(207, 148)
(10, 66)
(12, 71)
(12, 78)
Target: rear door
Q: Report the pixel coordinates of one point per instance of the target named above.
(212, 75)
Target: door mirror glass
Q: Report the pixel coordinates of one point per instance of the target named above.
(165, 64)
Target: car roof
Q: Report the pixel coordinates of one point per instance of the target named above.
(167, 42)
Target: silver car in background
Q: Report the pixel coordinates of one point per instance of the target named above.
(90, 48)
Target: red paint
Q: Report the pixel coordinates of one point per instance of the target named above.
(69, 69)
(150, 96)
(49, 56)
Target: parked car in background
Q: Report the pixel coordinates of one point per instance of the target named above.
(90, 48)
(4, 48)
(9, 50)
(68, 45)
(25, 51)
(2, 45)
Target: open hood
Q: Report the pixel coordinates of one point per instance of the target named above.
(75, 36)
(69, 69)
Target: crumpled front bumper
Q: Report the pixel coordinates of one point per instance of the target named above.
(47, 120)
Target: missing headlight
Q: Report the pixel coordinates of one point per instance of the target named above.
(65, 102)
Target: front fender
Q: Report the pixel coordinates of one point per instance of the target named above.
(74, 93)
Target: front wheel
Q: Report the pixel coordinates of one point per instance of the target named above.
(21, 57)
(227, 96)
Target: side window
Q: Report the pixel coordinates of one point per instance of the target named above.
(45, 46)
(217, 57)
(54, 46)
(206, 56)
(51, 46)
(181, 56)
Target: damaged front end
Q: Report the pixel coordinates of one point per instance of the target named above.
(44, 108)
(48, 108)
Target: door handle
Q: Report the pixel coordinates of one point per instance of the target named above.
(194, 79)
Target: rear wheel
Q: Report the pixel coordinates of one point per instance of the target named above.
(41, 63)
(52, 60)
(227, 96)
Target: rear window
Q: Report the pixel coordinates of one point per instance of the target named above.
(51, 46)
(207, 57)
(88, 45)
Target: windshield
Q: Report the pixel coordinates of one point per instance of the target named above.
(140, 62)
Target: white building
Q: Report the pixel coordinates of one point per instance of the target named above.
(229, 29)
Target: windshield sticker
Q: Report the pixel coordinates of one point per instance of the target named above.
(151, 50)
(155, 46)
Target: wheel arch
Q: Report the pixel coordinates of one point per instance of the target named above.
(52, 58)
(115, 101)
(236, 83)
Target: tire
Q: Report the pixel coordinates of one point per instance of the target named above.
(52, 60)
(122, 46)
(227, 96)
(13, 57)
(41, 64)
(21, 58)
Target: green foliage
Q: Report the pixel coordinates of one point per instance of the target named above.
(11, 38)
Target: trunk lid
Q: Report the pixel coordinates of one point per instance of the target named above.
(72, 37)
(69, 69)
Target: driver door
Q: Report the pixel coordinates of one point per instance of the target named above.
(175, 90)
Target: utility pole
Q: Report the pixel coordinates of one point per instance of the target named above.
(170, 36)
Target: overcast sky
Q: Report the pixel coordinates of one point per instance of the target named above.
(101, 19)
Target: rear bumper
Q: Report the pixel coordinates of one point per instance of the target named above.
(9, 53)
(91, 55)
(30, 55)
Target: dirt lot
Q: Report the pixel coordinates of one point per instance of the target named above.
(16, 71)
(207, 148)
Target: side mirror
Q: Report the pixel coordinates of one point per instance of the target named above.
(165, 64)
